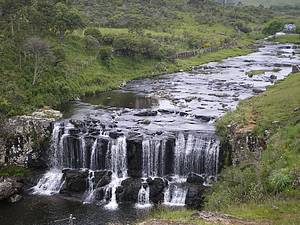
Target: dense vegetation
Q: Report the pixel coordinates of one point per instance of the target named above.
(55, 50)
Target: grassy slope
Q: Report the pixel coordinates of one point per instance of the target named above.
(280, 162)
(269, 2)
(291, 38)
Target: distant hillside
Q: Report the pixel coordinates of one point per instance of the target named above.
(266, 3)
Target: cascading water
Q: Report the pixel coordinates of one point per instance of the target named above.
(175, 194)
(90, 193)
(144, 196)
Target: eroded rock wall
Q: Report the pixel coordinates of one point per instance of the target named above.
(25, 139)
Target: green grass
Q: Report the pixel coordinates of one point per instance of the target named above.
(13, 171)
(182, 216)
(290, 38)
(277, 105)
(277, 211)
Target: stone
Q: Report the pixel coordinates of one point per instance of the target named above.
(273, 77)
(27, 139)
(129, 191)
(115, 134)
(258, 90)
(157, 186)
(194, 178)
(102, 178)
(9, 187)
(75, 181)
(146, 113)
(15, 198)
(195, 195)
(203, 118)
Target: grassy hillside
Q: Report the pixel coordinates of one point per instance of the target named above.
(47, 57)
(269, 3)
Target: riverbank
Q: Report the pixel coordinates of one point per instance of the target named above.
(266, 188)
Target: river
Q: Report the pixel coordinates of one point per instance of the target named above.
(145, 138)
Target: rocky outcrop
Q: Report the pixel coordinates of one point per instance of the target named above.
(242, 144)
(75, 181)
(10, 189)
(25, 139)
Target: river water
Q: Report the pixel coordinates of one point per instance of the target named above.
(180, 108)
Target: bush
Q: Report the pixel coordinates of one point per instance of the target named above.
(94, 33)
(273, 27)
(105, 54)
(59, 54)
(280, 179)
(91, 42)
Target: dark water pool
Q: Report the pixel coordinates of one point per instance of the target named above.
(38, 210)
(121, 99)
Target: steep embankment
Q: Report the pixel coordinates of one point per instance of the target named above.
(263, 185)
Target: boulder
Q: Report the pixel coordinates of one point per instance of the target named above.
(9, 187)
(157, 186)
(258, 90)
(102, 178)
(195, 195)
(194, 178)
(146, 113)
(27, 139)
(75, 181)
(129, 190)
(15, 198)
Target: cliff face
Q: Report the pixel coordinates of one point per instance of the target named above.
(243, 144)
(25, 139)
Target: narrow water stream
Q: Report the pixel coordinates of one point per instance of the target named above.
(153, 141)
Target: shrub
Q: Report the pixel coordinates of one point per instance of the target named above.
(94, 33)
(273, 27)
(59, 54)
(91, 43)
(105, 54)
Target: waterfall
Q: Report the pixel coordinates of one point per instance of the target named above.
(175, 195)
(144, 197)
(117, 157)
(197, 153)
(90, 193)
(49, 184)
(93, 164)
(153, 158)
(111, 192)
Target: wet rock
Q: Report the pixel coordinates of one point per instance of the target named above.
(273, 77)
(102, 178)
(9, 187)
(115, 134)
(134, 157)
(190, 98)
(183, 114)
(75, 181)
(194, 178)
(146, 113)
(15, 198)
(165, 111)
(157, 186)
(130, 190)
(203, 118)
(27, 139)
(195, 195)
(258, 90)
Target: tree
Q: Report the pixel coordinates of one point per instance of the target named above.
(273, 27)
(39, 53)
(66, 19)
(105, 54)
(94, 33)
